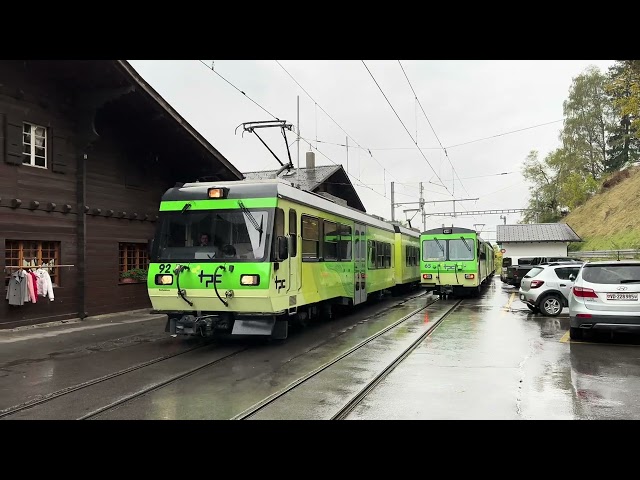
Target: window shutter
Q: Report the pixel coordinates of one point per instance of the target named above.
(13, 142)
(59, 152)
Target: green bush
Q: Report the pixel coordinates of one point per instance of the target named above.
(139, 274)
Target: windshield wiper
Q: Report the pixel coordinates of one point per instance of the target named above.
(186, 207)
(465, 242)
(439, 245)
(636, 280)
(253, 221)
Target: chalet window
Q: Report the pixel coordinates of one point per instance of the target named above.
(34, 145)
(30, 253)
(310, 238)
(133, 262)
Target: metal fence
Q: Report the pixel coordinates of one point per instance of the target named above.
(607, 254)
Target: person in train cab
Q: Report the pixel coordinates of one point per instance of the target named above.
(204, 240)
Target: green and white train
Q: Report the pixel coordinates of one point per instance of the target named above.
(277, 255)
(455, 260)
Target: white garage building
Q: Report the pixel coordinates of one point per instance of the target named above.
(535, 239)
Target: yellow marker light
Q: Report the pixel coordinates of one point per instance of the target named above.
(164, 279)
(215, 193)
(250, 280)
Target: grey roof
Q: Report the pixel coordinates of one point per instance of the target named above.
(308, 179)
(536, 232)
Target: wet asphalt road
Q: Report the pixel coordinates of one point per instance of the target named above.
(493, 359)
(489, 359)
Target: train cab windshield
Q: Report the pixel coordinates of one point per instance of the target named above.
(220, 235)
(453, 249)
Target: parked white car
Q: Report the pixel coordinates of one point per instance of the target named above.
(546, 288)
(605, 297)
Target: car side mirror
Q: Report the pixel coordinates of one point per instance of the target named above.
(572, 277)
(282, 248)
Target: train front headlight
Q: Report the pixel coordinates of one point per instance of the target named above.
(252, 280)
(162, 279)
(469, 276)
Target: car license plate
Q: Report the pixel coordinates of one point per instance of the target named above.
(622, 296)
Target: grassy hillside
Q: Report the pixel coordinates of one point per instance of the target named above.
(610, 220)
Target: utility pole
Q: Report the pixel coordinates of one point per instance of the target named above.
(424, 217)
(298, 141)
(393, 205)
(347, 143)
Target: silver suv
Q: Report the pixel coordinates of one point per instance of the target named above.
(546, 288)
(605, 296)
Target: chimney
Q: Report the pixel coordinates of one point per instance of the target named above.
(311, 165)
(311, 160)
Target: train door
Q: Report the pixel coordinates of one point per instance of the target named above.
(360, 263)
(294, 258)
(281, 269)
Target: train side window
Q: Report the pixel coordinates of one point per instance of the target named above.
(278, 229)
(344, 244)
(379, 255)
(407, 254)
(293, 232)
(330, 241)
(372, 253)
(387, 255)
(310, 238)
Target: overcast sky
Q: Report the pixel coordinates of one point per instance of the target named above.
(464, 101)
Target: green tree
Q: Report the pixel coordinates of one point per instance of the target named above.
(589, 120)
(623, 88)
(545, 178)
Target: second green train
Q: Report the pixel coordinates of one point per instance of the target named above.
(455, 261)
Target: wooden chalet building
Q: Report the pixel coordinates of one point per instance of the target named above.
(87, 148)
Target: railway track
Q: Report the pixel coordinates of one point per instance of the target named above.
(354, 400)
(80, 392)
(65, 391)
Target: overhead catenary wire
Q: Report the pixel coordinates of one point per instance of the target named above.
(432, 129)
(405, 127)
(211, 69)
(362, 184)
(316, 104)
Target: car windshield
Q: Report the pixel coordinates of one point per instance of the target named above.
(213, 235)
(533, 272)
(611, 274)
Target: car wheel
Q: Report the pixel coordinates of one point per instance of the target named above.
(532, 308)
(575, 333)
(551, 305)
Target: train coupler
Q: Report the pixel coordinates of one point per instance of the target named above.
(200, 326)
